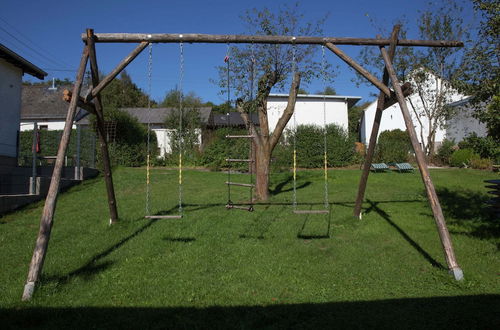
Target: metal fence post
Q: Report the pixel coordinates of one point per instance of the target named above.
(34, 158)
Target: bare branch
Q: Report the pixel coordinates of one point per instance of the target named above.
(287, 114)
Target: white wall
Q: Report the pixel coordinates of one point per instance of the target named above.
(10, 110)
(392, 118)
(163, 139)
(51, 125)
(309, 111)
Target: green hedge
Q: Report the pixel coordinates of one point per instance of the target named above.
(310, 147)
(49, 144)
(393, 147)
(219, 148)
(463, 157)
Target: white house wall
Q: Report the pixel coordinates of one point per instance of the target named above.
(463, 124)
(163, 138)
(51, 125)
(10, 111)
(309, 112)
(392, 118)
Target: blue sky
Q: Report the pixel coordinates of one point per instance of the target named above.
(47, 33)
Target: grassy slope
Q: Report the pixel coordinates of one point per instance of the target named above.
(266, 268)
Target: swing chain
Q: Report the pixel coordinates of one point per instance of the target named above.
(148, 185)
(294, 68)
(323, 71)
(180, 134)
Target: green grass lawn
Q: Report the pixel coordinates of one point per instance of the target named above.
(218, 268)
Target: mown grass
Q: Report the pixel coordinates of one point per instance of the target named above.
(267, 269)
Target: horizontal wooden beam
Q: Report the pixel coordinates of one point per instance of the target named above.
(256, 39)
(67, 95)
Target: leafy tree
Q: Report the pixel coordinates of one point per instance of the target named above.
(254, 70)
(481, 69)
(327, 91)
(432, 71)
(188, 134)
(122, 92)
(354, 117)
(189, 100)
(302, 91)
(129, 147)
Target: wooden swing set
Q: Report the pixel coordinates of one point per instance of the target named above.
(92, 103)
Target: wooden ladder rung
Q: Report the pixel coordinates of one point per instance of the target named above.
(238, 160)
(239, 207)
(240, 136)
(240, 184)
(311, 211)
(163, 216)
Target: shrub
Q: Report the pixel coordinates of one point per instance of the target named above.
(130, 145)
(463, 157)
(481, 163)
(445, 151)
(310, 146)
(393, 146)
(485, 147)
(219, 148)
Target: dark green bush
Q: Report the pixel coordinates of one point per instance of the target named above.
(310, 147)
(486, 147)
(445, 151)
(393, 147)
(130, 145)
(463, 157)
(219, 148)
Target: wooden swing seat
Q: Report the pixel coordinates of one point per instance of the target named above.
(163, 216)
(311, 211)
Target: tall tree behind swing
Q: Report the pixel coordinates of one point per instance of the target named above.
(273, 70)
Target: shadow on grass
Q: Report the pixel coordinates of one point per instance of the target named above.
(94, 266)
(328, 218)
(468, 209)
(459, 312)
(278, 189)
(375, 208)
(259, 226)
(179, 239)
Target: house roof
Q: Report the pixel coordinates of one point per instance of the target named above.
(351, 100)
(460, 102)
(39, 102)
(157, 115)
(235, 119)
(21, 63)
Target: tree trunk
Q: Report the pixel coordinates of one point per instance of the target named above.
(262, 161)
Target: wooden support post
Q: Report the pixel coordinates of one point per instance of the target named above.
(46, 221)
(424, 172)
(362, 71)
(112, 75)
(374, 134)
(113, 212)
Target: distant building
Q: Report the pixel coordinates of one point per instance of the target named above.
(12, 69)
(156, 118)
(309, 109)
(45, 105)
